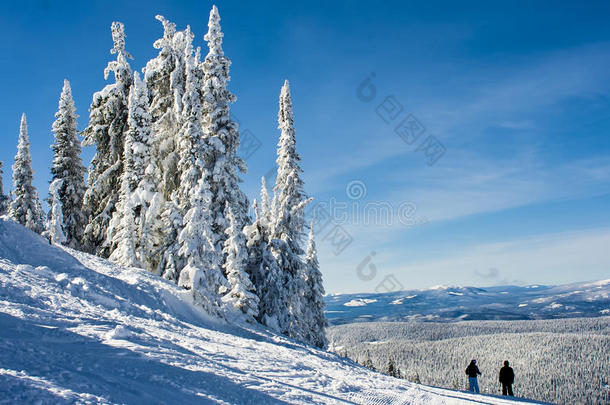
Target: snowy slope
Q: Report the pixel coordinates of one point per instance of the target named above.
(76, 328)
(453, 303)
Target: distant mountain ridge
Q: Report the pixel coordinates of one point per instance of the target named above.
(455, 303)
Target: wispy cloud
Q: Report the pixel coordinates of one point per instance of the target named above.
(483, 185)
(542, 259)
(555, 258)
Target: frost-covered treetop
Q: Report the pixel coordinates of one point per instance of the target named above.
(120, 67)
(24, 141)
(288, 183)
(66, 105)
(118, 39)
(214, 35)
(285, 116)
(169, 29)
(188, 42)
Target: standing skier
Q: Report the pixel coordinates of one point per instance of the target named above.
(472, 370)
(507, 377)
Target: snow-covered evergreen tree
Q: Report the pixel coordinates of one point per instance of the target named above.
(126, 235)
(165, 76)
(106, 130)
(289, 198)
(161, 73)
(4, 199)
(368, 363)
(262, 266)
(242, 295)
(182, 150)
(221, 134)
(391, 369)
(201, 273)
(26, 207)
(68, 176)
(287, 221)
(313, 300)
(197, 260)
(56, 224)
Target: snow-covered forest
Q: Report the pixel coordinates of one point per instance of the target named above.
(162, 192)
(561, 360)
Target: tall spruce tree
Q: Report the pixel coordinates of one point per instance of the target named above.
(242, 295)
(26, 207)
(287, 220)
(68, 175)
(313, 299)
(106, 130)
(391, 369)
(182, 148)
(162, 74)
(221, 134)
(165, 76)
(198, 258)
(262, 266)
(127, 235)
(4, 199)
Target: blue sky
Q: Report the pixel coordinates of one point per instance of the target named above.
(518, 96)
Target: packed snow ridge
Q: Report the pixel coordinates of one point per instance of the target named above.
(77, 328)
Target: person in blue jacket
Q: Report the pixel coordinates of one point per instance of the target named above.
(472, 370)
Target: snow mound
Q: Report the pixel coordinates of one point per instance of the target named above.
(75, 328)
(359, 302)
(120, 332)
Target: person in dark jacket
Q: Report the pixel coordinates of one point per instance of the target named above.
(472, 370)
(507, 377)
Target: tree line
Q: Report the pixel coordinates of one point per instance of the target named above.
(162, 191)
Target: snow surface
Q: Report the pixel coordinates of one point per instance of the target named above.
(77, 328)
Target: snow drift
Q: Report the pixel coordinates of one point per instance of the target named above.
(77, 328)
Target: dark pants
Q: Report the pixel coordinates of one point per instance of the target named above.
(507, 387)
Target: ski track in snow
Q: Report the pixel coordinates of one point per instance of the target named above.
(75, 328)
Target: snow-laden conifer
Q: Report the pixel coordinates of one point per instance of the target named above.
(162, 73)
(391, 369)
(221, 134)
(183, 162)
(106, 130)
(242, 295)
(287, 220)
(26, 207)
(166, 79)
(313, 300)
(289, 197)
(198, 259)
(200, 273)
(262, 266)
(68, 176)
(127, 234)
